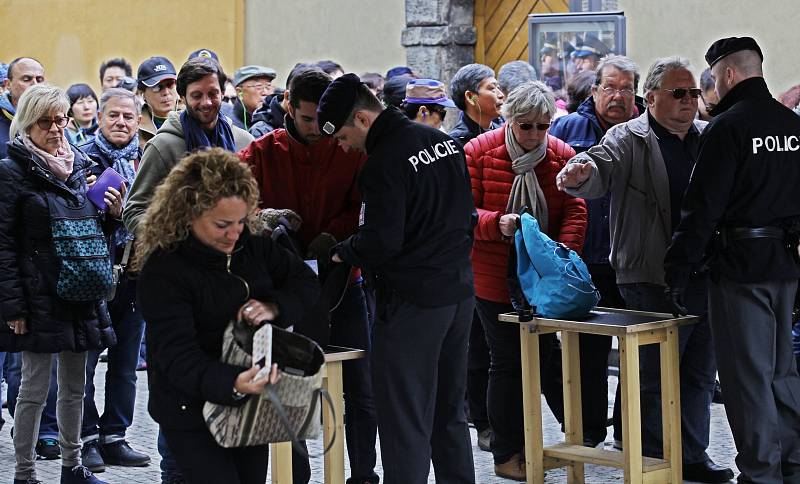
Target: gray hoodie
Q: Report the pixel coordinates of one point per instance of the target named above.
(161, 154)
(628, 161)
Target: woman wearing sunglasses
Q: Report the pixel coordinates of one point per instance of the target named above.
(512, 167)
(54, 274)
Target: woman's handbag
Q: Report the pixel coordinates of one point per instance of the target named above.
(288, 410)
(85, 272)
(552, 277)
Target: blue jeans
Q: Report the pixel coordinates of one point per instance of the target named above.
(350, 328)
(120, 395)
(697, 371)
(48, 427)
(169, 467)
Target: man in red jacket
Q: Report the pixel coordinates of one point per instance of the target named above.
(299, 169)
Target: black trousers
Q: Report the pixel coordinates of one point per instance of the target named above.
(752, 332)
(478, 375)
(594, 350)
(419, 373)
(505, 379)
(202, 461)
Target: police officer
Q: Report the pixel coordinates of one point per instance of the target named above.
(743, 198)
(415, 236)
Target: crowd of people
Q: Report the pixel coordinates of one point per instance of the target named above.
(679, 201)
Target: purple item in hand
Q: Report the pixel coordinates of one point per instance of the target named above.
(96, 193)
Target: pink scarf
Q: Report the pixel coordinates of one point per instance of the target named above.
(60, 164)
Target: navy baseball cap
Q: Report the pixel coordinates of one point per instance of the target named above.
(399, 71)
(207, 53)
(154, 70)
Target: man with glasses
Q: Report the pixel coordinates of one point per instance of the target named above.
(253, 84)
(646, 164)
(156, 84)
(612, 101)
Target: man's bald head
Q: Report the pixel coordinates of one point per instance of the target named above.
(735, 68)
(23, 72)
(746, 63)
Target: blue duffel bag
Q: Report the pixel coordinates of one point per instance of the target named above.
(552, 277)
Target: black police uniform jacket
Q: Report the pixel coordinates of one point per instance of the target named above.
(29, 267)
(417, 216)
(188, 296)
(747, 175)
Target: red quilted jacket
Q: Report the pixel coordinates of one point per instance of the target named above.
(490, 168)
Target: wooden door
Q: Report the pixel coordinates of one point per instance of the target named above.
(502, 28)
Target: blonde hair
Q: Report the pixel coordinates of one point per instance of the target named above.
(193, 187)
(36, 102)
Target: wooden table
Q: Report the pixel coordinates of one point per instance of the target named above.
(633, 328)
(281, 453)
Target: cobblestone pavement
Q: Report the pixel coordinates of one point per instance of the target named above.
(142, 436)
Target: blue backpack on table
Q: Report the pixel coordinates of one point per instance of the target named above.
(552, 277)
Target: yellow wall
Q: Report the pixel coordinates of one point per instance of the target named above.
(72, 38)
(688, 27)
(361, 35)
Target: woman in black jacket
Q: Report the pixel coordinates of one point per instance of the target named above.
(54, 273)
(200, 269)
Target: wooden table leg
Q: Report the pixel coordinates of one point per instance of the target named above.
(573, 413)
(334, 460)
(671, 403)
(281, 462)
(532, 405)
(631, 410)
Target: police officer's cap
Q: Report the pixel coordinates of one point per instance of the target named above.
(724, 47)
(337, 102)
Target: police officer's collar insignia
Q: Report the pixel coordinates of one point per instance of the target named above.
(328, 128)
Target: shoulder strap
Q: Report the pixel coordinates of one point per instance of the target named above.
(126, 255)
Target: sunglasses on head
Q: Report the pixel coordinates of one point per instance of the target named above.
(530, 126)
(680, 92)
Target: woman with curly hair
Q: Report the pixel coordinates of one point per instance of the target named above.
(201, 268)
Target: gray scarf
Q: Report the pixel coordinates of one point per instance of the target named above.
(525, 190)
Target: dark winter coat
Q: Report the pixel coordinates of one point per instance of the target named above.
(746, 176)
(466, 129)
(188, 296)
(28, 266)
(416, 225)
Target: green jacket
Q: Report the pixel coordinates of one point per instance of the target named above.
(161, 154)
(628, 161)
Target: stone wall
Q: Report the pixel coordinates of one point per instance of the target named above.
(439, 36)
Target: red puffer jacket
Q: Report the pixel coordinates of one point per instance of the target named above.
(490, 168)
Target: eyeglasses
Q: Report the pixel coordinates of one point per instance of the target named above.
(228, 99)
(258, 85)
(681, 92)
(627, 92)
(169, 84)
(530, 126)
(45, 123)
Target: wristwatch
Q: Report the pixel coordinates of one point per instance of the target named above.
(237, 395)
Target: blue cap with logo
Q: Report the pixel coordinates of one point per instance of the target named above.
(207, 53)
(154, 70)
